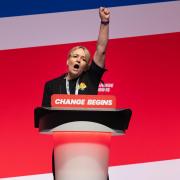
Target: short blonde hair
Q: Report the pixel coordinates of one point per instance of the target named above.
(86, 51)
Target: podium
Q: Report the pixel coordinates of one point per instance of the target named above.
(82, 139)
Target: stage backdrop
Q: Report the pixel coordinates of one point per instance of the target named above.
(143, 62)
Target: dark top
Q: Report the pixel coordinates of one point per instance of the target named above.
(88, 82)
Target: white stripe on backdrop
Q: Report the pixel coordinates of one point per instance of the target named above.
(81, 26)
(160, 170)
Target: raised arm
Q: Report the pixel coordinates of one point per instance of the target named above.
(99, 56)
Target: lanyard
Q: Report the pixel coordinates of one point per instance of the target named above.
(76, 88)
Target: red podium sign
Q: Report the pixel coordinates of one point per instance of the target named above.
(83, 101)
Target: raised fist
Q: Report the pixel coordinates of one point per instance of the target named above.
(104, 14)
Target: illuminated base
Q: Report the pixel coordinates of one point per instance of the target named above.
(81, 155)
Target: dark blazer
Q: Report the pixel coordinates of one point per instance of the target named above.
(89, 80)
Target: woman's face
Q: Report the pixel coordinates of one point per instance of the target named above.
(77, 63)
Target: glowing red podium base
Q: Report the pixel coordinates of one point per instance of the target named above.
(81, 155)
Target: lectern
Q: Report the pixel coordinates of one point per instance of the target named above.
(82, 139)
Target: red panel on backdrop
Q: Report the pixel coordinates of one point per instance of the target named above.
(145, 73)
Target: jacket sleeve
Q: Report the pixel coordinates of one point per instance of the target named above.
(46, 102)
